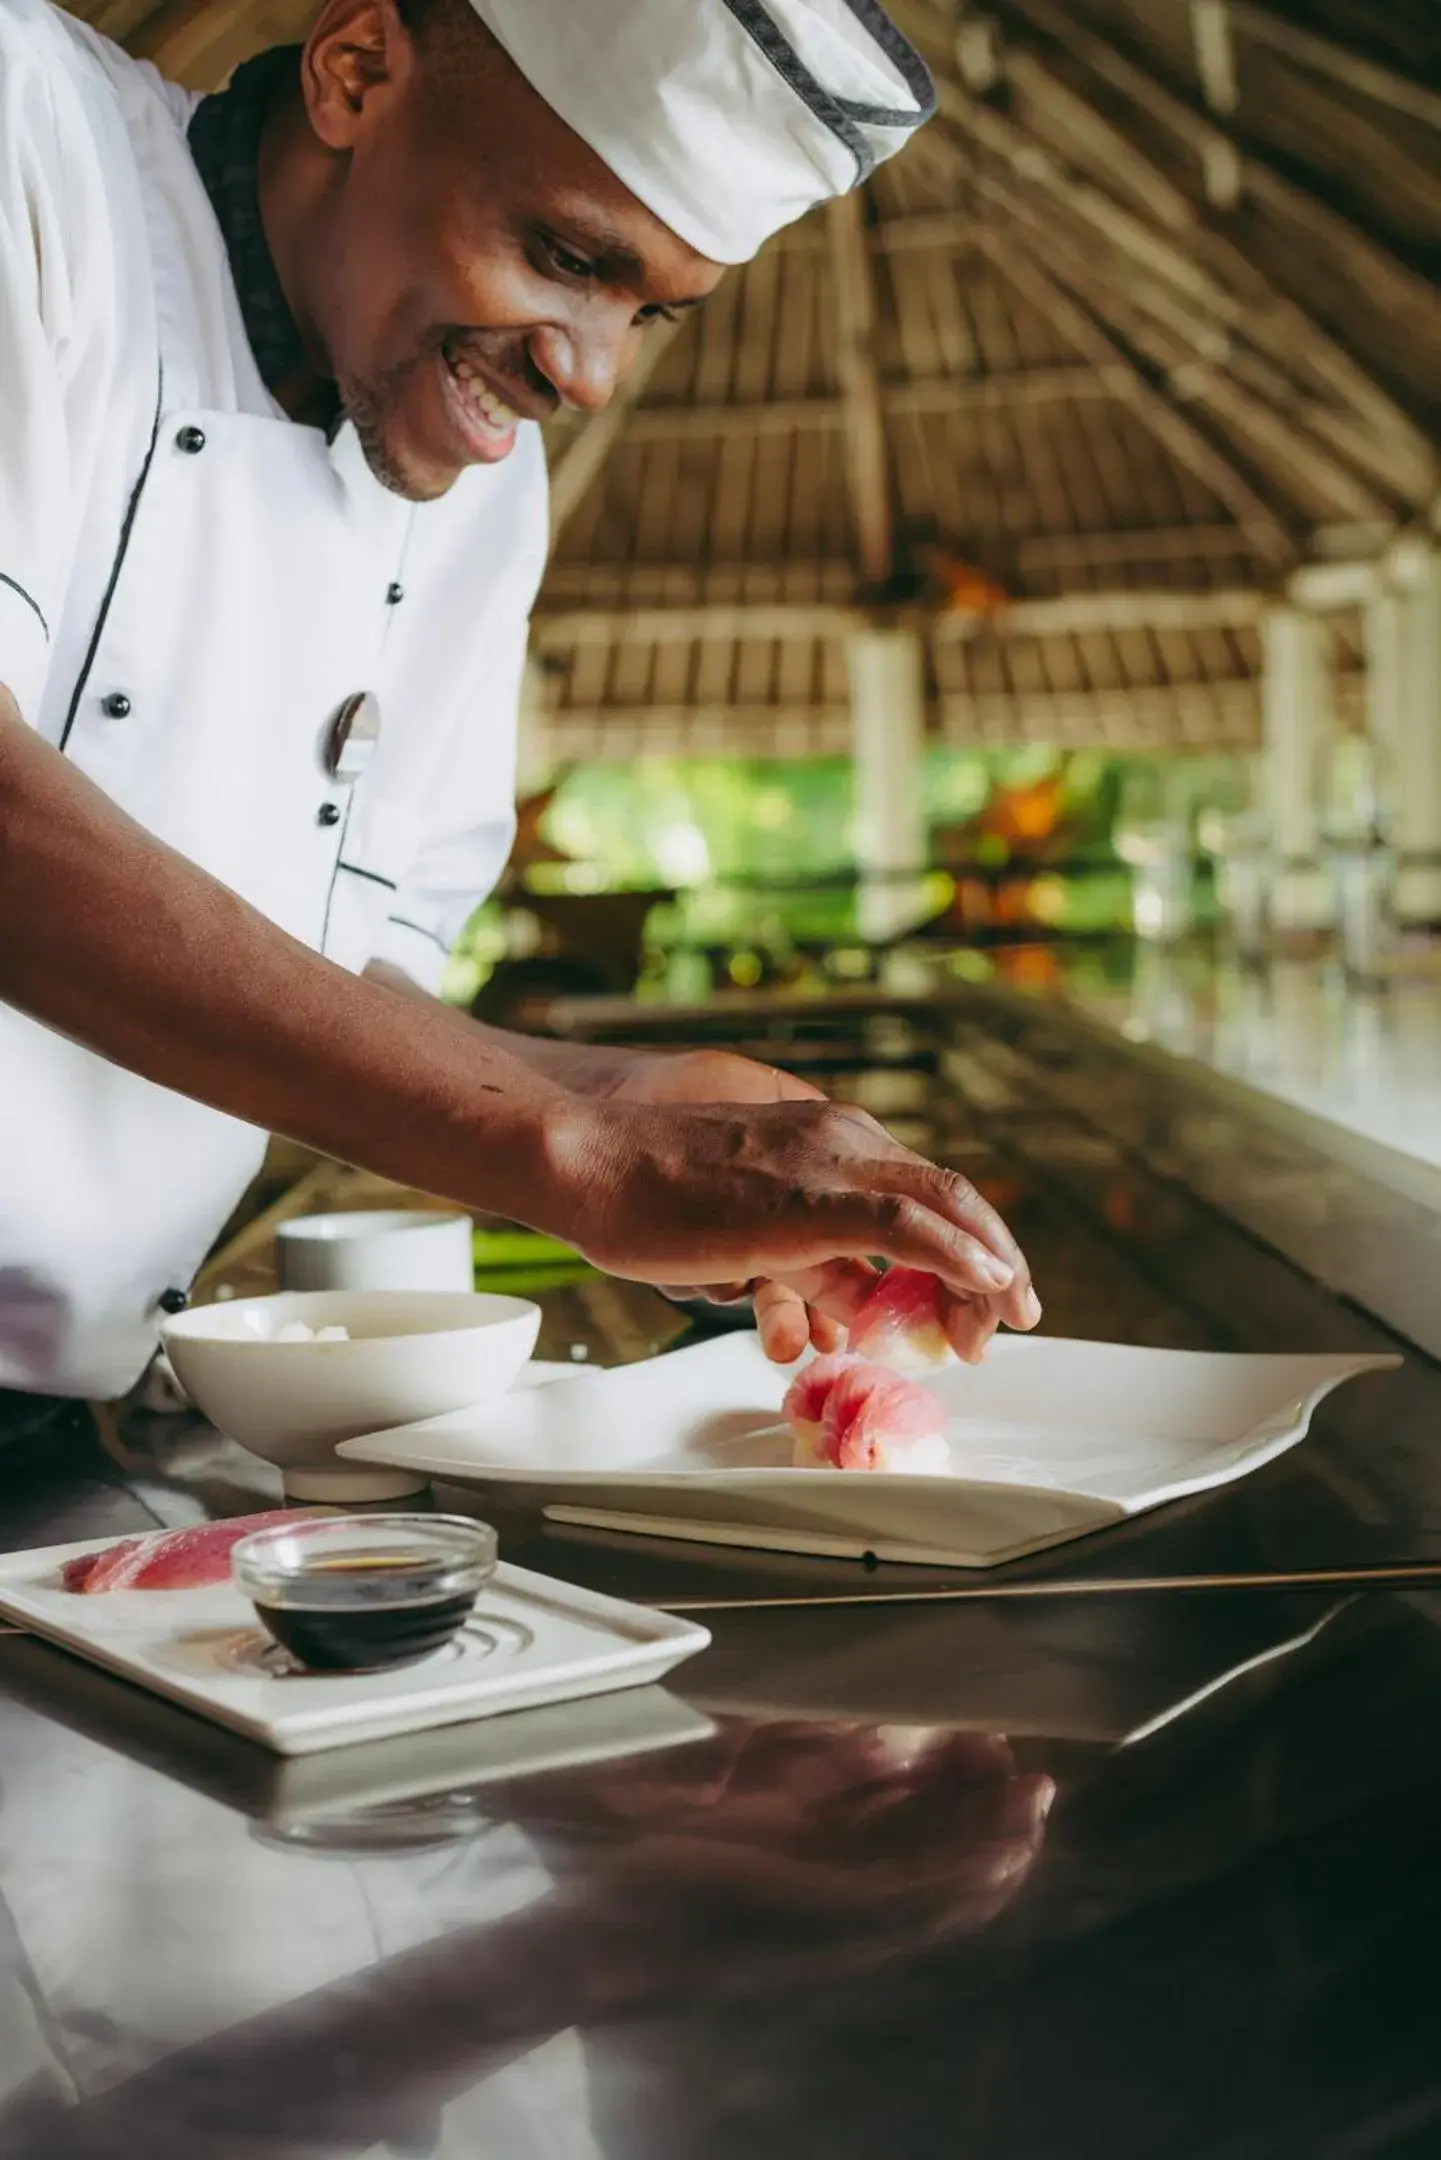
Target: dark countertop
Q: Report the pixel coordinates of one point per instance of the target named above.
(843, 1924)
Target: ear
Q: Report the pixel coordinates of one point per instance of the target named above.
(357, 61)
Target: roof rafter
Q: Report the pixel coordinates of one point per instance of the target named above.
(1110, 63)
(1265, 419)
(1186, 440)
(867, 452)
(938, 395)
(1383, 85)
(1388, 446)
(1129, 608)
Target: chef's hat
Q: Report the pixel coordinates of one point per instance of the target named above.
(727, 118)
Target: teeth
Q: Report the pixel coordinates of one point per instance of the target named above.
(486, 403)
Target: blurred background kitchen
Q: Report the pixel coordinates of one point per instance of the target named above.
(1026, 572)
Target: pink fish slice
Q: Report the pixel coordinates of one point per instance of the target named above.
(876, 1420)
(189, 1559)
(900, 1323)
(806, 1399)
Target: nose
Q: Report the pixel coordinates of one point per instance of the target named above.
(585, 360)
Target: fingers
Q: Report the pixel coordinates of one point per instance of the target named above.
(911, 1233)
(826, 1335)
(969, 1324)
(948, 1194)
(836, 1291)
(784, 1323)
(955, 1199)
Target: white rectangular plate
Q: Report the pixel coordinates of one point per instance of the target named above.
(531, 1641)
(1049, 1439)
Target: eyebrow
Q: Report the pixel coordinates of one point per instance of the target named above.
(615, 255)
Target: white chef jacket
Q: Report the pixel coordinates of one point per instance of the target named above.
(190, 585)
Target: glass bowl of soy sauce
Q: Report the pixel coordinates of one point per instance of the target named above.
(363, 1593)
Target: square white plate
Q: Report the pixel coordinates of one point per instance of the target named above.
(1049, 1439)
(531, 1641)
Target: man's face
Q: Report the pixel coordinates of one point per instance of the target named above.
(479, 264)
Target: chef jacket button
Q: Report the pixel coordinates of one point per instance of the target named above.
(173, 1300)
(394, 594)
(328, 814)
(191, 440)
(116, 706)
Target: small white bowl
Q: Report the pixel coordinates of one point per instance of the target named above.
(376, 1249)
(411, 1354)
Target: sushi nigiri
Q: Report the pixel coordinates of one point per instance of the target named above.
(806, 1398)
(876, 1420)
(900, 1323)
(171, 1559)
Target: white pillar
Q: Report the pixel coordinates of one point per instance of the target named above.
(1296, 717)
(887, 671)
(1403, 688)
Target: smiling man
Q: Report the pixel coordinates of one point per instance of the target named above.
(272, 518)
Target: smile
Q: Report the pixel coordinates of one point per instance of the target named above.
(486, 422)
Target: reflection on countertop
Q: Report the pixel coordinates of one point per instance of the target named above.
(1062, 1883)
(1367, 1058)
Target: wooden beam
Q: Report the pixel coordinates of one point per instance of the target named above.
(1110, 64)
(945, 394)
(1323, 56)
(575, 464)
(1215, 49)
(614, 732)
(1224, 713)
(685, 625)
(191, 45)
(626, 586)
(1072, 614)
(1279, 420)
(1189, 444)
(1215, 52)
(1068, 615)
(1374, 433)
(925, 229)
(867, 452)
(724, 421)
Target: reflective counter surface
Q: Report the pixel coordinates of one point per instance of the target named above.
(1145, 1877)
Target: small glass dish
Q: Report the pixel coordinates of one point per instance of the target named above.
(363, 1593)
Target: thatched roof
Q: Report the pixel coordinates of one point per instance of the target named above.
(1148, 317)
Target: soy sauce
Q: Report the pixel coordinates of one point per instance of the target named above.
(365, 1614)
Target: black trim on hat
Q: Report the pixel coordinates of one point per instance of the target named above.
(843, 116)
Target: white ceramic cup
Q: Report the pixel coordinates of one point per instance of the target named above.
(376, 1249)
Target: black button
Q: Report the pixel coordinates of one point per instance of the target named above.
(173, 1301)
(394, 594)
(116, 705)
(191, 440)
(328, 814)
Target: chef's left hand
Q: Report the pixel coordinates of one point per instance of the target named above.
(788, 1315)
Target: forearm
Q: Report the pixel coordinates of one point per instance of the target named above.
(583, 1068)
(127, 947)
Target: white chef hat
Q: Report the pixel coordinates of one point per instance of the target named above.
(727, 118)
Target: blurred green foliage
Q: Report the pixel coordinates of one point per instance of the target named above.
(711, 830)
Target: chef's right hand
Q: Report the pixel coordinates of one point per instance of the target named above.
(705, 1193)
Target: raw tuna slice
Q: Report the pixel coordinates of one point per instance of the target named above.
(172, 1559)
(876, 1420)
(900, 1323)
(806, 1399)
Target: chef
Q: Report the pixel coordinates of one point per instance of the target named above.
(272, 519)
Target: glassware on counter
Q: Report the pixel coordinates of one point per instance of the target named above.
(1152, 835)
(1234, 831)
(1356, 819)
